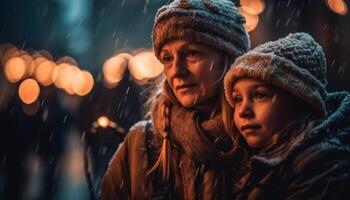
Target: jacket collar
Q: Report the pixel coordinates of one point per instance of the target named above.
(336, 123)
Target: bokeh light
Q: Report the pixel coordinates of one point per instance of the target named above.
(29, 91)
(57, 73)
(62, 76)
(82, 83)
(43, 72)
(253, 7)
(114, 69)
(15, 69)
(103, 121)
(144, 66)
(30, 65)
(251, 20)
(337, 6)
(66, 78)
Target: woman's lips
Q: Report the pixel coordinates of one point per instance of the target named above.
(185, 87)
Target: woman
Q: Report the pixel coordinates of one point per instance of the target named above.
(184, 153)
(298, 133)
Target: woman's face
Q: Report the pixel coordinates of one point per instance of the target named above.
(193, 71)
(260, 110)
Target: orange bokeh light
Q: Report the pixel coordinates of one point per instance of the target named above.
(337, 6)
(29, 91)
(30, 65)
(114, 69)
(251, 20)
(56, 74)
(66, 78)
(144, 66)
(103, 121)
(43, 72)
(15, 69)
(256, 6)
(62, 76)
(82, 83)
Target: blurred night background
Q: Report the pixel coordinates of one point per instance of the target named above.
(75, 74)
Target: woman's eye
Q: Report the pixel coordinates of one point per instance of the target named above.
(192, 54)
(165, 59)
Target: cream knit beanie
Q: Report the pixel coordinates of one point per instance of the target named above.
(295, 63)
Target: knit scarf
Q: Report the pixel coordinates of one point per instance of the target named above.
(204, 140)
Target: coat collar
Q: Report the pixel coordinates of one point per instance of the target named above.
(334, 125)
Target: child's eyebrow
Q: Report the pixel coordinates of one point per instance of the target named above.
(255, 86)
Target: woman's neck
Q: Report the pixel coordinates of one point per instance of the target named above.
(209, 107)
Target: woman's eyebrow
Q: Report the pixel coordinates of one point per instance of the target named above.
(190, 44)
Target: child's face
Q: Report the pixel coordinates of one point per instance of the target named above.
(260, 110)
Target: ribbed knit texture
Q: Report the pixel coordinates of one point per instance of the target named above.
(295, 63)
(216, 23)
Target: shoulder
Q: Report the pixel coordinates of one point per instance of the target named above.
(327, 153)
(136, 134)
(142, 137)
(320, 171)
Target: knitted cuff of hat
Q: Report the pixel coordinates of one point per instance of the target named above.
(266, 67)
(217, 24)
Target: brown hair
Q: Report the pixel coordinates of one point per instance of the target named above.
(290, 134)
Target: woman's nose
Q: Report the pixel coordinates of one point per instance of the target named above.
(179, 67)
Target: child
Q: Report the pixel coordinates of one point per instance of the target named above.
(299, 132)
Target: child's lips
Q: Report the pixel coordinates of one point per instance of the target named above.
(250, 127)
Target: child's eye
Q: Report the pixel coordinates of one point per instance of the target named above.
(237, 99)
(261, 96)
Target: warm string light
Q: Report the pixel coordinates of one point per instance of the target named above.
(43, 72)
(15, 69)
(337, 6)
(29, 91)
(114, 69)
(143, 66)
(83, 83)
(250, 9)
(32, 69)
(256, 6)
(103, 121)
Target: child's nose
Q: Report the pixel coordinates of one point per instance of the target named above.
(246, 110)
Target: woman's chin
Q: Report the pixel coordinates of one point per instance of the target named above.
(187, 103)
